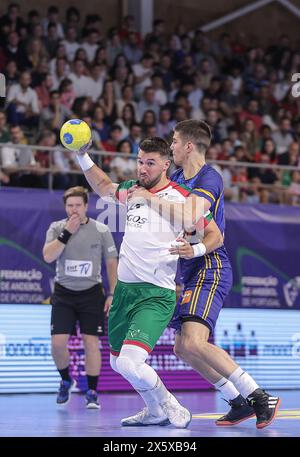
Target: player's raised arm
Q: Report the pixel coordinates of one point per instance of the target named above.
(99, 181)
(76, 136)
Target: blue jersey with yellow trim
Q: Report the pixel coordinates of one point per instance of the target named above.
(206, 183)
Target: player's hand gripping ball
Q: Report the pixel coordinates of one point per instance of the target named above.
(75, 135)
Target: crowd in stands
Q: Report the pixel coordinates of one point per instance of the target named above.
(127, 87)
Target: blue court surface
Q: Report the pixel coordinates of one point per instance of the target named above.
(37, 415)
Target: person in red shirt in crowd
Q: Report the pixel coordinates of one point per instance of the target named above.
(127, 27)
(252, 113)
(241, 177)
(111, 144)
(43, 157)
(67, 93)
(227, 149)
(44, 89)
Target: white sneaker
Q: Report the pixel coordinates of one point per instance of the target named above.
(179, 416)
(144, 418)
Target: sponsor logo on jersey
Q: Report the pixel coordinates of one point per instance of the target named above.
(133, 220)
(78, 268)
(135, 206)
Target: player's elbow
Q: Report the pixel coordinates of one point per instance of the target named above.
(47, 255)
(47, 259)
(220, 240)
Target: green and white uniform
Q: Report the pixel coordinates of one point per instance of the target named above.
(144, 298)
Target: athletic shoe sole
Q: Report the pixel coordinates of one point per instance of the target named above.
(139, 424)
(265, 424)
(93, 406)
(228, 423)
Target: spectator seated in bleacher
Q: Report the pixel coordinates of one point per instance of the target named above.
(22, 100)
(53, 117)
(126, 120)
(14, 158)
(123, 168)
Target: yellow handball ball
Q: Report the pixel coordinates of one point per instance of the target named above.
(75, 134)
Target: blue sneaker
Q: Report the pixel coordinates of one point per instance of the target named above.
(92, 399)
(64, 392)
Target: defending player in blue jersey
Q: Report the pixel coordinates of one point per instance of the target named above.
(207, 279)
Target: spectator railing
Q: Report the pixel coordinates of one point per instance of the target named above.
(53, 169)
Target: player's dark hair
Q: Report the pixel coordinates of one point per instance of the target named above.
(198, 132)
(155, 144)
(77, 191)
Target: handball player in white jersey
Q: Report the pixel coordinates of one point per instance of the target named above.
(144, 298)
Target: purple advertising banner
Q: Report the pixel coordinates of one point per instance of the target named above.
(263, 242)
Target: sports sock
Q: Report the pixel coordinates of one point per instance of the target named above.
(64, 374)
(151, 402)
(243, 382)
(131, 364)
(227, 388)
(160, 392)
(92, 382)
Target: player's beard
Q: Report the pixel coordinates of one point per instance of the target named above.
(149, 184)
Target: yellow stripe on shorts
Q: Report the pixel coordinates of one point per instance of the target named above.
(198, 287)
(217, 275)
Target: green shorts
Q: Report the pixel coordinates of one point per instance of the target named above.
(139, 314)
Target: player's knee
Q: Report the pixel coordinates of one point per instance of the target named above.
(58, 344)
(91, 344)
(192, 347)
(178, 350)
(127, 368)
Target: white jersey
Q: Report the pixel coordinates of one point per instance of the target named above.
(144, 254)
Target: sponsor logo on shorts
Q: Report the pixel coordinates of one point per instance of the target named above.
(134, 333)
(186, 297)
(99, 329)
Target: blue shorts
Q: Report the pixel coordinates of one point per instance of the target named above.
(202, 297)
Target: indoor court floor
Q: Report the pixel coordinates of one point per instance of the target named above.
(37, 415)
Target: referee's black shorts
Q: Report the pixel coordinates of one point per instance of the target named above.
(70, 306)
